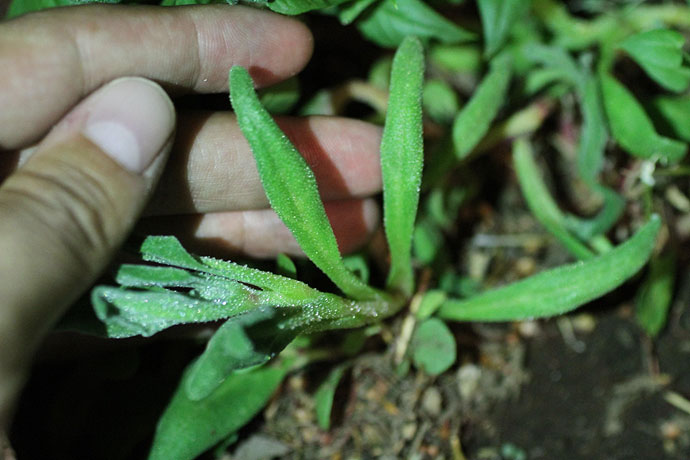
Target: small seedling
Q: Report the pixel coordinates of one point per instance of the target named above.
(532, 51)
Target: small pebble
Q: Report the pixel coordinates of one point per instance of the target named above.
(528, 329)
(409, 430)
(525, 266)
(468, 381)
(431, 401)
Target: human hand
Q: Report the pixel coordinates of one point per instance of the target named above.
(96, 144)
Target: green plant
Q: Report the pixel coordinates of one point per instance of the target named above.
(266, 314)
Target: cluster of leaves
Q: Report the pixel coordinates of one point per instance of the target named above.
(537, 49)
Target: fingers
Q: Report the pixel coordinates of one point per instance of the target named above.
(212, 169)
(64, 54)
(261, 234)
(69, 207)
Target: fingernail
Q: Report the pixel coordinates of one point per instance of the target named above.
(130, 119)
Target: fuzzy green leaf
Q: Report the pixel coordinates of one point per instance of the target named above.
(660, 53)
(540, 202)
(430, 303)
(285, 266)
(590, 158)
(590, 151)
(188, 428)
(456, 58)
(608, 215)
(474, 119)
(440, 101)
(389, 22)
(561, 289)
(290, 186)
(427, 240)
(433, 347)
(498, 18)
(282, 97)
(655, 296)
(402, 156)
(323, 398)
(632, 128)
(293, 7)
(555, 64)
(127, 313)
(242, 341)
(674, 113)
(167, 250)
(348, 13)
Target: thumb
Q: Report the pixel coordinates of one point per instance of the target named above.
(69, 207)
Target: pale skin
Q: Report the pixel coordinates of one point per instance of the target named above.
(66, 207)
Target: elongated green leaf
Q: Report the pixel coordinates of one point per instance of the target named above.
(427, 241)
(323, 398)
(193, 290)
(389, 22)
(285, 266)
(590, 150)
(674, 113)
(655, 296)
(348, 13)
(402, 156)
(167, 250)
(281, 98)
(380, 72)
(357, 264)
(540, 202)
(608, 215)
(433, 347)
(660, 53)
(440, 101)
(243, 341)
(456, 58)
(290, 186)
(559, 64)
(590, 158)
(498, 18)
(431, 302)
(632, 128)
(474, 119)
(561, 289)
(188, 428)
(131, 312)
(293, 7)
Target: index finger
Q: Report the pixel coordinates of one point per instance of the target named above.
(52, 59)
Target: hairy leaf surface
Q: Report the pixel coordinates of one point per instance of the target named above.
(402, 156)
(660, 53)
(632, 128)
(293, 7)
(540, 202)
(476, 116)
(389, 22)
(242, 341)
(188, 428)
(656, 294)
(498, 18)
(561, 289)
(290, 186)
(323, 398)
